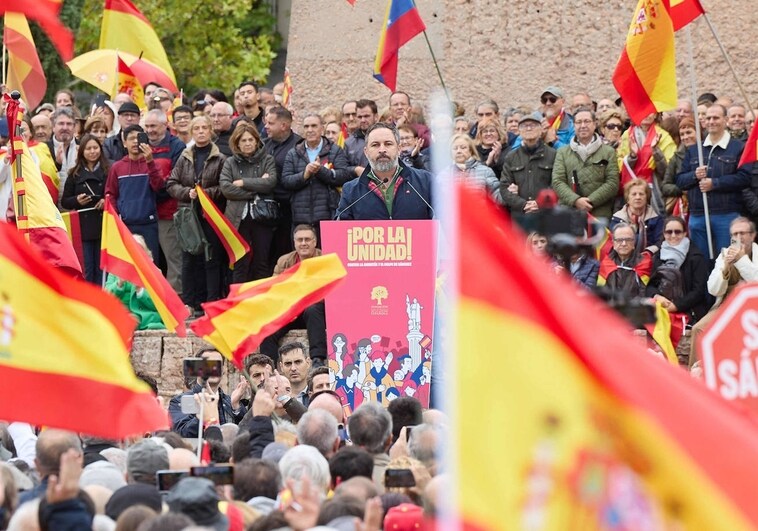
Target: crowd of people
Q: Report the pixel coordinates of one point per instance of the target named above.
(300, 457)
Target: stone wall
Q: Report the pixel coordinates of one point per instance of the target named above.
(507, 50)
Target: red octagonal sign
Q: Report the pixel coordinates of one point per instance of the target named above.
(729, 348)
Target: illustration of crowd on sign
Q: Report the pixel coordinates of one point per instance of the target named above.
(376, 368)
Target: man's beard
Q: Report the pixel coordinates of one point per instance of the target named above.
(384, 165)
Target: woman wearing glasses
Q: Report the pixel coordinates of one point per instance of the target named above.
(611, 124)
(680, 273)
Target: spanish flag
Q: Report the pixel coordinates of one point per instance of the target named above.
(121, 255)
(685, 11)
(45, 13)
(128, 83)
(37, 217)
(562, 421)
(126, 29)
(645, 76)
(254, 310)
(750, 153)
(64, 351)
(47, 168)
(25, 72)
(287, 92)
(402, 22)
(74, 231)
(235, 245)
(343, 135)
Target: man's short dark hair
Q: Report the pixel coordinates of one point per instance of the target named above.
(132, 128)
(259, 359)
(182, 108)
(248, 83)
(220, 452)
(360, 104)
(405, 411)
(382, 125)
(584, 108)
(281, 113)
(370, 426)
(709, 97)
(304, 226)
(340, 506)
(315, 372)
(51, 445)
(350, 462)
(289, 347)
(256, 477)
(407, 96)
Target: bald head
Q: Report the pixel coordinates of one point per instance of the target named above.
(330, 404)
(182, 459)
(43, 128)
(51, 445)
(357, 487)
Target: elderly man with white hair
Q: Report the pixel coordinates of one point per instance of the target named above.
(305, 461)
(318, 428)
(370, 427)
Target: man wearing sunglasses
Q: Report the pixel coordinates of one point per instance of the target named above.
(557, 124)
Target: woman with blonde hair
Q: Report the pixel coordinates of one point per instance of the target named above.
(469, 168)
(611, 125)
(492, 144)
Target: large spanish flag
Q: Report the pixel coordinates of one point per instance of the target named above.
(25, 72)
(128, 83)
(64, 351)
(645, 76)
(402, 22)
(235, 245)
(45, 13)
(126, 29)
(237, 325)
(121, 255)
(37, 217)
(561, 419)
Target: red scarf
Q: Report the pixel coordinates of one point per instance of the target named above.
(643, 169)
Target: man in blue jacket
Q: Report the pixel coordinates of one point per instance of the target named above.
(720, 178)
(387, 189)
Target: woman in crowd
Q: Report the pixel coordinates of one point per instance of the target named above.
(682, 290)
(511, 120)
(332, 131)
(64, 98)
(461, 125)
(248, 178)
(84, 190)
(676, 202)
(492, 144)
(640, 215)
(97, 127)
(411, 148)
(611, 124)
(471, 170)
(202, 275)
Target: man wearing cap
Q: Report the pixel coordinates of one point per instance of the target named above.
(128, 114)
(144, 460)
(527, 169)
(198, 499)
(557, 124)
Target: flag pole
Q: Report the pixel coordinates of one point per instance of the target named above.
(728, 60)
(698, 133)
(434, 58)
(4, 71)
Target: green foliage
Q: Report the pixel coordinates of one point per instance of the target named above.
(210, 44)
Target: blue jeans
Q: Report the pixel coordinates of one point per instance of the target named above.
(719, 232)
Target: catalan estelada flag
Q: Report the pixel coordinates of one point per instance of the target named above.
(126, 29)
(121, 255)
(685, 11)
(25, 72)
(235, 245)
(645, 76)
(128, 83)
(287, 91)
(37, 217)
(401, 23)
(254, 310)
(562, 421)
(64, 351)
(45, 13)
(750, 153)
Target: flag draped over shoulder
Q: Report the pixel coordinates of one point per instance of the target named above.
(750, 153)
(254, 310)
(37, 217)
(584, 430)
(121, 255)
(645, 76)
(45, 13)
(64, 351)
(126, 29)
(25, 72)
(401, 23)
(684, 11)
(235, 245)
(127, 82)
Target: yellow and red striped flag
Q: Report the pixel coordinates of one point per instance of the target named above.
(287, 91)
(645, 76)
(25, 72)
(121, 255)
(45, 13)
(47, 168)
(64, 351)
(254, 310)
(584, 430)
(126, 29)
(37, 217)
(343, 135)
(685, 11)
(235, 245)
(128, 83)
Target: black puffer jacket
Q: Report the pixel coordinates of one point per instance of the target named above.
(315, 198)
